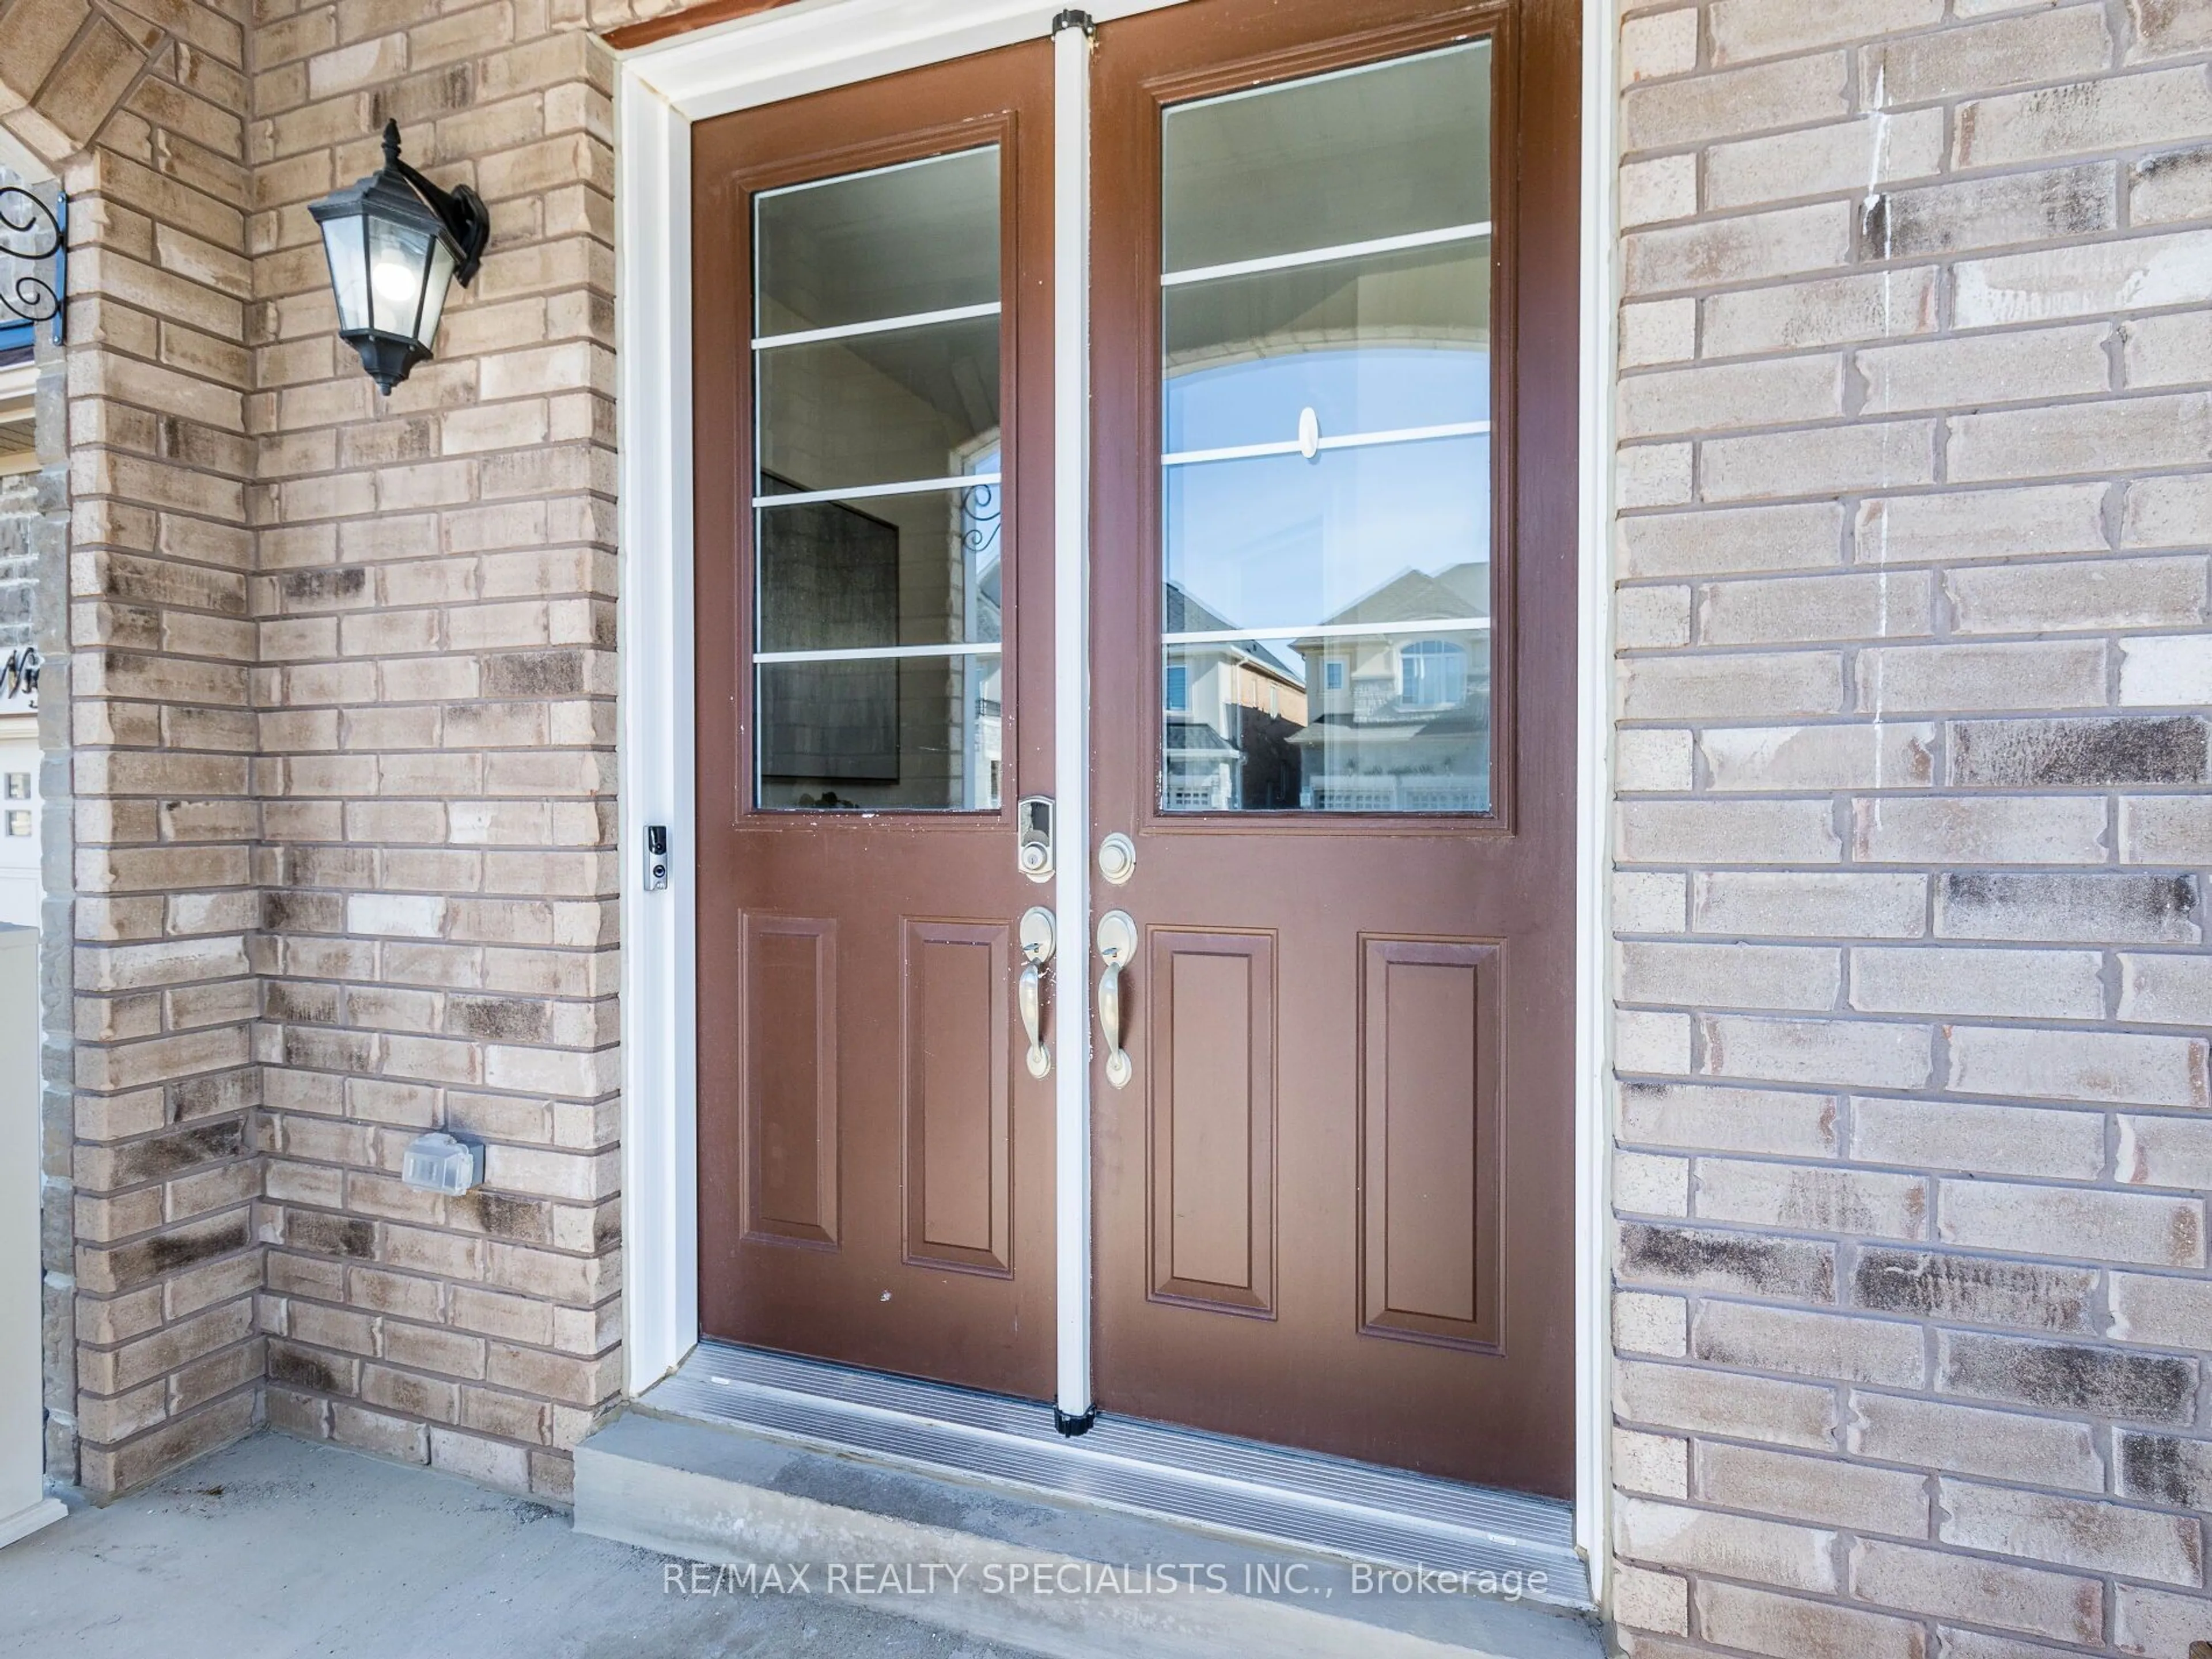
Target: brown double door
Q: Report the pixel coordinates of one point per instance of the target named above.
(1331, 702)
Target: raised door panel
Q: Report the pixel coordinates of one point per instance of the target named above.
(1431, 1165)
(956, 1121)
(790, 1114)
(1212, 1120)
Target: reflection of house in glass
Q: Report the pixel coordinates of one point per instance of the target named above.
(1232, 713)
(1401, 719)
(1388, 706)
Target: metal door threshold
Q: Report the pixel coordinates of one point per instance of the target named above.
(1330, 1504)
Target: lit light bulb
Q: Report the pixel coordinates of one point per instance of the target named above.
(394, 281)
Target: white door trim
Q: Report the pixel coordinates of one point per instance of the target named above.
(810, 46)
(656, 775)
(815, 45)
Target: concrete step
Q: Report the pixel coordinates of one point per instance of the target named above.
(1330, 1506)
(750, 1512)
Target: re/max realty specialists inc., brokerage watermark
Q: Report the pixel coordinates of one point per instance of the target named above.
(1075, 1579)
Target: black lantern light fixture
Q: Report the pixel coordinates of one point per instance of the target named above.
(395, 241)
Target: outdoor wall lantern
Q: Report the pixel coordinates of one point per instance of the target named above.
(395, 241)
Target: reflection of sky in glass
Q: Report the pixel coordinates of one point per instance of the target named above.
(1352, 389)
(1283, 542)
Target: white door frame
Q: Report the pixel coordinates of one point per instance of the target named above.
(810, 46)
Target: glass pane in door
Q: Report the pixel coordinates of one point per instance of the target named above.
(1326, 490)
(878, 501)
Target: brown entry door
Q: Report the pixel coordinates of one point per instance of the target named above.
(1333, 707)
(875, 694)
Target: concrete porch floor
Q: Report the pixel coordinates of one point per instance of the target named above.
(274, 1548)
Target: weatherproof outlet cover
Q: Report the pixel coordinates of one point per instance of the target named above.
(439, 1163)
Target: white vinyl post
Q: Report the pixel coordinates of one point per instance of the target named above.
(1071, 484)
(24, 1506)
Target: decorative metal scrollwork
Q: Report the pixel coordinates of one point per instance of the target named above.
(979, 512)
(31, 231)
(19, 673)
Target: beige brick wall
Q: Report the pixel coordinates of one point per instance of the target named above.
(434, 603)
(152, 1266)
(1916, 490)
(340, 768)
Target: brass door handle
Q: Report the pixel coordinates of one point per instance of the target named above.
(1037, 941)
(1117, 949)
